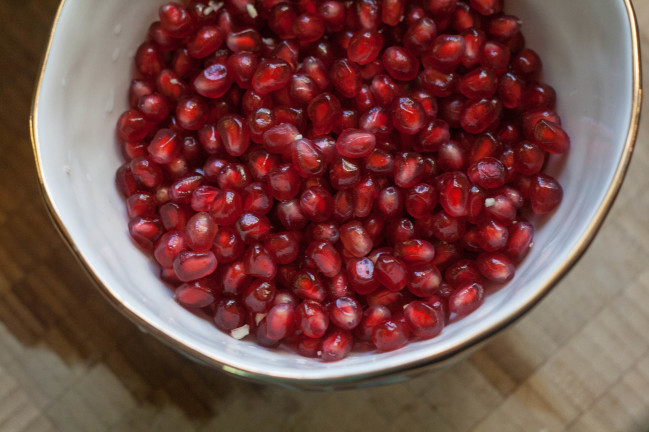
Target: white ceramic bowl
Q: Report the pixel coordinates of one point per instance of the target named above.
(590, 54)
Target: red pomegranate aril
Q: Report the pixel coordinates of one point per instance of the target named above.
(190, 265)
(271, 75)
(391, 272)
(355, 143)
(308, 27)
(234, 134)
(487, 7)
(233, 279)
(257, 198)
(401, 230)
(372, 316)
(191, 112)
(229, 314)
(445, 52)
(415, 251)
(132, 126)
(355, 239)
(290, 215)
(408, 169)
(511, 90)
(419, 36)
(247, 39)
(500, 208)
(504, 27)
(376, 120)
(184, 65)
(424, 279)
(368, 13)
(445, 227)
(527, 63)
(344, 173)
(408, 115)
(324, 111)
(346, 77)
(332, 13)
(213, 82)
(317, 204)
(260, 164)
(307, 158)
(259, 296)
(379, 162)
(364, 47)
(205, 41)
(466, 298)
(495, 56)
(345, 312)
(454, 193)
(325, 257)
(530, 118)
(198, 294)
(487, 172)
(312, 319)
(478, 84)
(440, 84)
(423, 320)
(479, 115)
(551, 137)
(139, 88)
(492, 235)
(242, 66)
(146, 172)
(528, 158)
(148, 60)
(278, 139)
(495, 266)
(227, 246)
(360, 275)
(520, 238)
(252, 228)
(200, 231)
(336, 345)
(389, 335)
(141, 204)
(176, 20)
(284, 182)
(154, 107)
(308, 285)
(400, 64)
(545, 193)
(258, 263)
(420, 200)
(145, 231)
(389, 203)
(538, 95)
(280, 321)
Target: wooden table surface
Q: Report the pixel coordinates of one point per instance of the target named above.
(70, 362)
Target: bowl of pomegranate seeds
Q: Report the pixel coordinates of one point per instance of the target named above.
(327, 193)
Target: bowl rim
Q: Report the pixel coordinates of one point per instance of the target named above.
(354, 380)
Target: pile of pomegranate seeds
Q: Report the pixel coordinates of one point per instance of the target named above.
(330, 174)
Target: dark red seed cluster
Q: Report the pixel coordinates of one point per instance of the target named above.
(328, 173)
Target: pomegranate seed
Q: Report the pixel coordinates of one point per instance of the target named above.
(176, 20)
(368, 13)
(312, 319)
(227, 245)
(526, 63)
(550, 137)
(538, 95)
(400, 64)
(200, 231)
(423, 320)
(346, 77)
(495, 266)
(466, 298)
(440, 84)
(272, 74)
(290, 215)
(308, 27)
(161, 37)
(154, 107)
(213, 82)
(190, 266)
(355, 239)
(345, 312)
(408, 115)
(229, 314)
(280, 321)
(545, 193)
(420, 35)
(408, 169)
(191, 112)
(495, 56)
(252, 227)
(478, 116)
(258, 263)
(391, 272)
(284, 182)
(520, 240)
(259, 296)
(360, 274)
(389, 335)
(198, 294)
(148, 60)
(234, 134)
(336, 345)
(487, 7)
(247, 39)
(420, 200)
(445, 52)
(415, 251)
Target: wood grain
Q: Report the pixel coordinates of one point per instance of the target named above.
(69, 362)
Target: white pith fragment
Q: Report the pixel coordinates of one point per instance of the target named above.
(241, 332)
(251, 11)
(259, 317)
(298, 136)
(489, 202)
